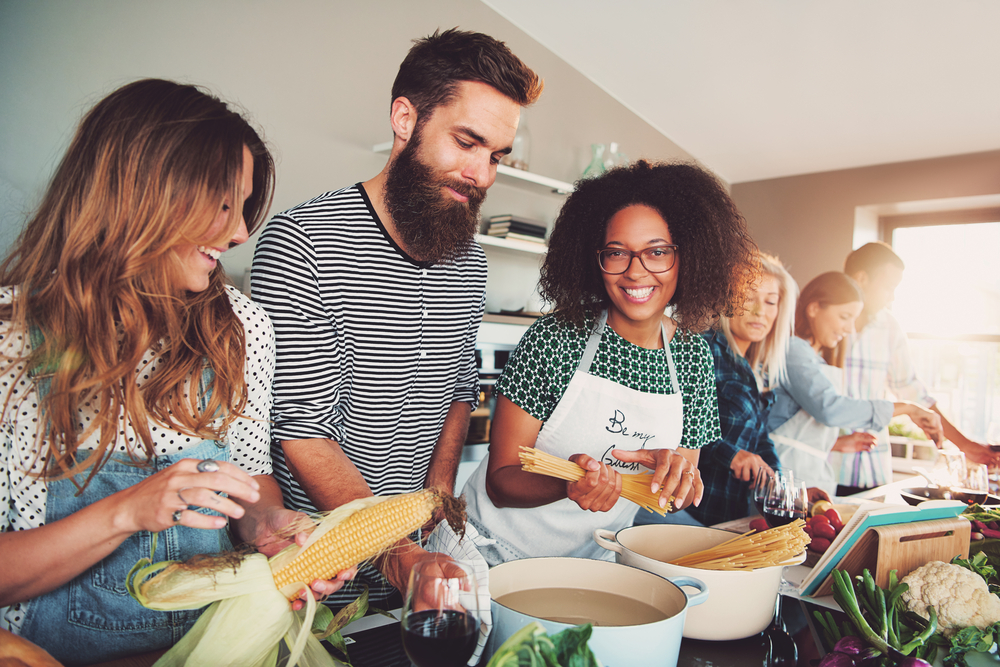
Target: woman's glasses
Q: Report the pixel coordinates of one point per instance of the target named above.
(658, 259)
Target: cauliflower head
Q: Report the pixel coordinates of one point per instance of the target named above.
(960, 597)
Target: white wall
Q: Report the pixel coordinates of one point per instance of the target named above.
(314, 74)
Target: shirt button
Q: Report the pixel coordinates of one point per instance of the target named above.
(426, 313)
(423, 354)
(424, 272)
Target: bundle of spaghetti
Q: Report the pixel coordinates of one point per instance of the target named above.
(634, 487)
(752, 550)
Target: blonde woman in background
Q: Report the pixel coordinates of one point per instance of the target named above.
(749, 354)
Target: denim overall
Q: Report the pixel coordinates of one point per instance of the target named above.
(92, 618)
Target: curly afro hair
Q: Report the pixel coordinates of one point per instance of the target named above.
(717, 259)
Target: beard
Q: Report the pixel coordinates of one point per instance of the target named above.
(432, 225)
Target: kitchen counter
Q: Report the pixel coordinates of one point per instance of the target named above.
(381, 646)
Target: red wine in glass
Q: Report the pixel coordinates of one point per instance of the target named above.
(439, 620)
(440, 638)
(780, 517)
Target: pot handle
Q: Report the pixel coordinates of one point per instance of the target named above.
(607, 540)
(698, 597)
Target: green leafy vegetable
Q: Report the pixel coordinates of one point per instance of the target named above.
(531, 646)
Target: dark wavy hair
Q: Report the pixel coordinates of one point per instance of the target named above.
(717, 259)
(435, 65)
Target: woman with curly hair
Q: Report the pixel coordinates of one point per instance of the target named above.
(616, 379)
(136, 383)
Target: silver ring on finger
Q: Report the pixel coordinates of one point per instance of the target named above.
(208, 465)
(180, 494)
(176, 516)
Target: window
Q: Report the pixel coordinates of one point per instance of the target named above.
(949, 304)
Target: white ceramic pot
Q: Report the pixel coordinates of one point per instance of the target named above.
(742, 603)
(651, 644)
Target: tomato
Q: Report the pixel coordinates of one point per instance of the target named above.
(819, 545)
(819, 520)
(758, 525)
(824, 530)
(808, 530)
(834, 517)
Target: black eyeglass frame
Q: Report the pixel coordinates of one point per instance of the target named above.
(632, 255)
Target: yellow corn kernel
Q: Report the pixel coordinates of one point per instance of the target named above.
(361, 536)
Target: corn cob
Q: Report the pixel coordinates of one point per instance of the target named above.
(363, 535)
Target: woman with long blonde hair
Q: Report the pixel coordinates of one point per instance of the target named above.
(749, 353)
(135, 382)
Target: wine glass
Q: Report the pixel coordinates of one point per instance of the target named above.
(760, 481)
(786, 501)
(954, 466)
(440, 620)
(977, 478)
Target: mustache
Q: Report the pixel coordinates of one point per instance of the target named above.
(474, 193)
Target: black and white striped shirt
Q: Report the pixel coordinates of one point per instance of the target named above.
(372, 346)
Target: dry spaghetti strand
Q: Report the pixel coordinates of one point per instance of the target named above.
(634, 487)
(752, 550)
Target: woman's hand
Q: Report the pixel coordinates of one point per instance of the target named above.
(162, 499)
(746, 464)
(817, 494)
(859, 441)
(600, 487)
(673, 474)
(929, 422)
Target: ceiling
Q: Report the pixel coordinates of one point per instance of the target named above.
(758, 89)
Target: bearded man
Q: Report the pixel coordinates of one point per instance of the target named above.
(376, 292)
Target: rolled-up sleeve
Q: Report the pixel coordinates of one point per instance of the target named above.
(814, 393)
(307, 376)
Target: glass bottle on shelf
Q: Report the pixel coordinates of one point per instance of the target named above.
(520, 149)
(596, 166)
(614, 157)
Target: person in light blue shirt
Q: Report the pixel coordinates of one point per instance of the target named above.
(810, 408)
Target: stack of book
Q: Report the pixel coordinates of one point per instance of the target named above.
(515, 227)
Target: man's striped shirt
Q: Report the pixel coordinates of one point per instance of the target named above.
(372, 346)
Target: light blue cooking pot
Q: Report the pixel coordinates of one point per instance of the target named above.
(651, 644)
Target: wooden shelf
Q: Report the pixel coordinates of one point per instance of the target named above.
(519, 176)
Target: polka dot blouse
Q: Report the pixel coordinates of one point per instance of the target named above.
(22, 497)
(539, 371)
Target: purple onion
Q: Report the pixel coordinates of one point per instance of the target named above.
(910, 661)
(834, 659)
(850, 645)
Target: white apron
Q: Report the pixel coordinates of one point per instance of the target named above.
(803, 444)
(593, 417)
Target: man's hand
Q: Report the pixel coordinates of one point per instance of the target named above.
(271, 538)
(745, 466)
(397, 563)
